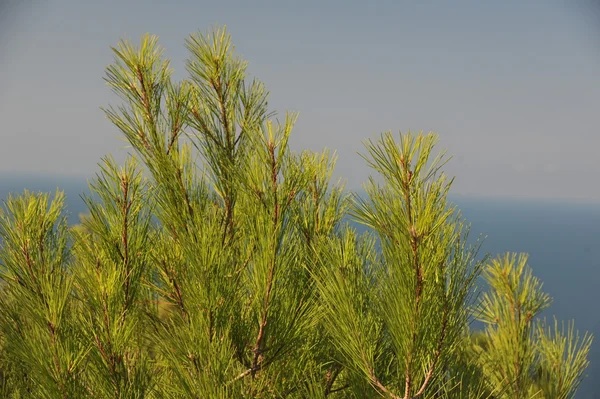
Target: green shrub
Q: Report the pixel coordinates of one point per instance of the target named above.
(218, 263)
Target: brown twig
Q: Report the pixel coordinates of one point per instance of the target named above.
(330, 377)
(436, 356)
(379, 385)
(414, 241)
(258, 347)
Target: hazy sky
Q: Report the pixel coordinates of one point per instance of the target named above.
(512, 87)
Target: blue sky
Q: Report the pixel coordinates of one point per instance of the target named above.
(511, 87)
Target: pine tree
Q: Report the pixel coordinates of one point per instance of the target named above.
(218, 263)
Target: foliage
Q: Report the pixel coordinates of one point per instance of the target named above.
(218, 263)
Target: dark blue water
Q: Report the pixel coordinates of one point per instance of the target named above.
(72, 187)
(563, 242)
(562, 239)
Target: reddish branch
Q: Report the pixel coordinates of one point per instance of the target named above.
(204, 128)
(259, 346)
(144, 97)
(414, 241)
(229, 149)
(438, 352)
(125, 237)
(61, 383)
(217, 85)
(30, 264)
(177, 290)
(330, 377)
(379, 385)
(175, 129)
(186, 195)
